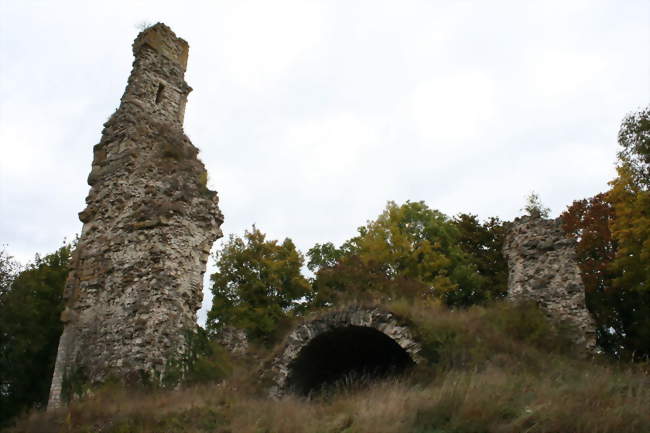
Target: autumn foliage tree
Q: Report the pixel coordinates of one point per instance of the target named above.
(409, 251)
(350, 279)
(613, 250)
(630, 199)
(588, 221)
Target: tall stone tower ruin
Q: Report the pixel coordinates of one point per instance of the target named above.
(150, 221)
(542, 268)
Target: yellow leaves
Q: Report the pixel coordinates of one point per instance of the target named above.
(443, 285)
(631, 230)
(417, 243)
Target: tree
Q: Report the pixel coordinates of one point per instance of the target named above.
(350, 279)
(30, 307)
(588, 221)
(324, 256)
(634, 138)
(483, 243)
(8, 270)
(409, 250)
(534, 206)
(258, 285)
(631, 263)
(631, 230)
(630, 198)
(613, 250)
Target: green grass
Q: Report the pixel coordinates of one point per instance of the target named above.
(498, 369)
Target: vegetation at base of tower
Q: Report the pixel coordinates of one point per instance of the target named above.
(496, 368)
(258, 286)
(31, 302)
(204, 361)
(74, 384)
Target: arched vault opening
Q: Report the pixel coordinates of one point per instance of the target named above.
(346, 352)
(357, 341)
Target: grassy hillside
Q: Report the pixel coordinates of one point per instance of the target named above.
(501, 368)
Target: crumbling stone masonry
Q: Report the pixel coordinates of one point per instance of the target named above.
(543, 269)
(326, 347)
(150, 221)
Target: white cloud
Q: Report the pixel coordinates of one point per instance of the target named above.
(327, 149)
(454, 108)
(312, 114)
(559, 75)
(262, 40)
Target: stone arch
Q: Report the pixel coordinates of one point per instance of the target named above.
(372, 335)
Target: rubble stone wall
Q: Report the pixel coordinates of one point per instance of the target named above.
(137, 273)
(542, 268)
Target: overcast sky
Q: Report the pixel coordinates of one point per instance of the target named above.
(310, 115)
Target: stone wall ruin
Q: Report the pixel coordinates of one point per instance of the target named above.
(137, 273)
(542, 268)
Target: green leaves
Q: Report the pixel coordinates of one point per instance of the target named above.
(630, 199)
(534, 206)
(634, 138)
(258, 285)
(409, 251)
(483, 242)
(29, 332)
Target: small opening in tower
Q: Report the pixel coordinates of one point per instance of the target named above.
(159, 94)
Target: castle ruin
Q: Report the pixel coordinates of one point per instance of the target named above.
(136, 277)
(137, 273)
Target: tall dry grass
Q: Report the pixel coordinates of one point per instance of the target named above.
(501, 369)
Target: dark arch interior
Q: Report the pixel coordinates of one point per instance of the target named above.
(347, 351)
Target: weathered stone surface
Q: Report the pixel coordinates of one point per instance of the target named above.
(542, 268)
(137, 273)
(279, 369)
(233, 339)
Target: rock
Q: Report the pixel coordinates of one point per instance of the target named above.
(233, 339)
